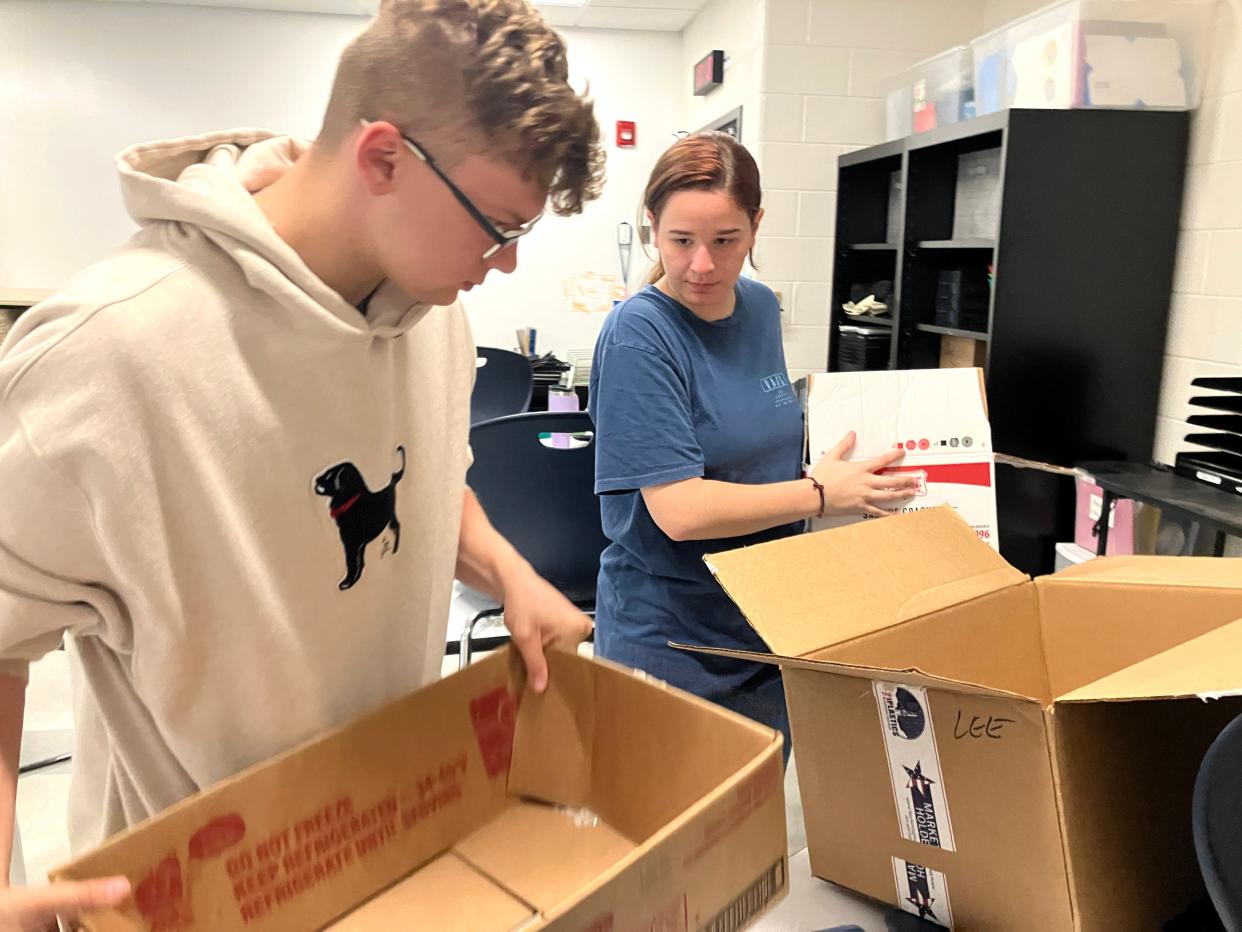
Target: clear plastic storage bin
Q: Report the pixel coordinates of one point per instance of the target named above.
(932, 93)
(898, 104)
(1127, 54)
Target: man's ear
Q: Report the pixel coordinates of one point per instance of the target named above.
(377, 154)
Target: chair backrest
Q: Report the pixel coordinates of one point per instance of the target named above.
(502, 384)
(541, 498)
(1217, 822)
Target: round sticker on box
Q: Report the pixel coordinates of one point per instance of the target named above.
(911, 720)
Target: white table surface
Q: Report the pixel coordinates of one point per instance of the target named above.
(814, 904)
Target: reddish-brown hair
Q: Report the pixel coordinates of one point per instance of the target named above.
(707, 161)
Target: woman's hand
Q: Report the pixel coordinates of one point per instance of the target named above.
(856, 487)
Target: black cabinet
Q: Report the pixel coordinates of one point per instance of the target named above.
(1044, 242)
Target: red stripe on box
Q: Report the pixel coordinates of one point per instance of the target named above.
(951, 473)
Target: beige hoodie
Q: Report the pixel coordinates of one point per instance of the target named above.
(240, 496)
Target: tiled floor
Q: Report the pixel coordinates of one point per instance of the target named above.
(42, 796)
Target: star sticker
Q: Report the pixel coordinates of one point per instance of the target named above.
(918, 782)
(923, 904)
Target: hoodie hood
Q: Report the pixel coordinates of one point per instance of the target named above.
(205, 184)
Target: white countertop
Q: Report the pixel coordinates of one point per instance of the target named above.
(22, 297)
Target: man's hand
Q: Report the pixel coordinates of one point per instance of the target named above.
(538, 616)
(35, 909)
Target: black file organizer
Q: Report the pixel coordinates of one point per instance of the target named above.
(1219, 465)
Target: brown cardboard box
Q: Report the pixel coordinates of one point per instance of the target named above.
(997, 753)
(610, 804)
(962, 352)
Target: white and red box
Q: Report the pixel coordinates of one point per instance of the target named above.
(938, 417)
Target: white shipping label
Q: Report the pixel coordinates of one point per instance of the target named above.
(923, 892)
(914, 765)
(1095, 508)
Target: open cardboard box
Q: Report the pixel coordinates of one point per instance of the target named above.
(611, 802)
(988, 751)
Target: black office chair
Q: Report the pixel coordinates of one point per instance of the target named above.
(542, 499)
(1217, 821)
(502, 385)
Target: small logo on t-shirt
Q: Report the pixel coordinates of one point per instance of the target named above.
(774, 382)
(777, 386)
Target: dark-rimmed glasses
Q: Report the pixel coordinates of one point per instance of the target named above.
(501, 238)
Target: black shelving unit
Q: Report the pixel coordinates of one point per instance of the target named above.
(953, 332)
(1082, 263)
(987, 244)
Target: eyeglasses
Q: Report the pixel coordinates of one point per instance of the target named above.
(502, 238)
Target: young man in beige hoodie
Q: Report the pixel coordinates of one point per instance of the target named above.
(233, 456)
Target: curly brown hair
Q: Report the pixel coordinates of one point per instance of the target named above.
(473, 77)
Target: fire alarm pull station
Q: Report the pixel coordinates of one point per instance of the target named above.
(627, 135)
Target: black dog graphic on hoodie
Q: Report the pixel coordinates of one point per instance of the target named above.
(360, 514)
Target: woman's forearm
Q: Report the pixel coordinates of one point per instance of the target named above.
(705, 509)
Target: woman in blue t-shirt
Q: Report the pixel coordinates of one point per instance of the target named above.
(699, 436)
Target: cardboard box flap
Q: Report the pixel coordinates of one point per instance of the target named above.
(808, 592)
(1206, 666)
(554, 735)
(958, 591)
(909, 676)
(1188, 572)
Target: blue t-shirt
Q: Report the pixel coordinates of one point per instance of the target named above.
(675, 397)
